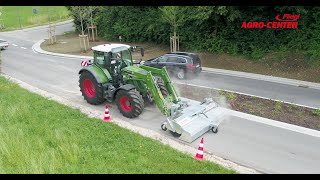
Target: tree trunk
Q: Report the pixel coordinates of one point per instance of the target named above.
(216, 25)
(92, 29)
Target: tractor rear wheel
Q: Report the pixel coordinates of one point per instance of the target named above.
(130, 103)
(91, 90)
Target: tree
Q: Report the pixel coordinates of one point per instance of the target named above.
(93, 27)
(175, 17)
(81, 13)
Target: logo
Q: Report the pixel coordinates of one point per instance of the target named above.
(284, 21)
(287, 17)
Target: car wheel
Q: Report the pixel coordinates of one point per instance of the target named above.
(181, 74)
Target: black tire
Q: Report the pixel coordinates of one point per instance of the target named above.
(181, 74)
(175, 134)
(214, 130)
(96, 97)
(136, 103)
(163, 88)
(163, 127)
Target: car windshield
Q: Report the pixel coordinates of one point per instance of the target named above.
(1, 41)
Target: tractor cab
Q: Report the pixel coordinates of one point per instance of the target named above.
(112, 56)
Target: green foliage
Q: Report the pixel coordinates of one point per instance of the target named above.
(316, 112)
(229, 95)
(278, 106)
(215, 29)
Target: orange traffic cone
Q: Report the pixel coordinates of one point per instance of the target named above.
(199, 155)
(106, 114)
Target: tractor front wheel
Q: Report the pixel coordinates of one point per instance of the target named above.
(130, 103)
(162, 87)
(91, 90)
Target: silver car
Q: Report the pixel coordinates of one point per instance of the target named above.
(3, 44)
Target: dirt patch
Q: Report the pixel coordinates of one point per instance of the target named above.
(275, 110)
(69, 44)
(278, 111)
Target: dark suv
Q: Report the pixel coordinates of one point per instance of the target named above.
(180, 64)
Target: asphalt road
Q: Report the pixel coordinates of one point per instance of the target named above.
(266, 148)
(271, 90)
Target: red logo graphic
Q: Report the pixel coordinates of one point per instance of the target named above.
(287, 17)
(285, 21)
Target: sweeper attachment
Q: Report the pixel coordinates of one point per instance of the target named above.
(195, 119)
(114, 76)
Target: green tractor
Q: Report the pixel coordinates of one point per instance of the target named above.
(115, 77)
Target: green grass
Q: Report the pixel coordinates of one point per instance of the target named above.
(38, 135)
(10, 16)
(278, 106)
(316, 112)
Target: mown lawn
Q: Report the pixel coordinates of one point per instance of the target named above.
(42, 136)
(12, 16)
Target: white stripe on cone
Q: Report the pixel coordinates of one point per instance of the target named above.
(201, 145)
(106, 115)
(200, 152)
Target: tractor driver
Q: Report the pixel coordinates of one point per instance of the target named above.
(114, 67)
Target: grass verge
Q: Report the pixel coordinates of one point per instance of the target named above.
(42, 136)
(16, 17)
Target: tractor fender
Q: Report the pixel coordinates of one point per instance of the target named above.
(126, 87)
(102, 76)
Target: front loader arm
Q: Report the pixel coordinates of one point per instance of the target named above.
(133, 75)
(157, 95)
(163, 73)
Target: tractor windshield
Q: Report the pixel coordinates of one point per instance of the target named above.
(125, 55)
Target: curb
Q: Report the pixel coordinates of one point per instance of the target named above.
(304, 84)
(278, 124)
(36, 48)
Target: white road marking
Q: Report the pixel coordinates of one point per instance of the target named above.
(23, 48)
(14, 45)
